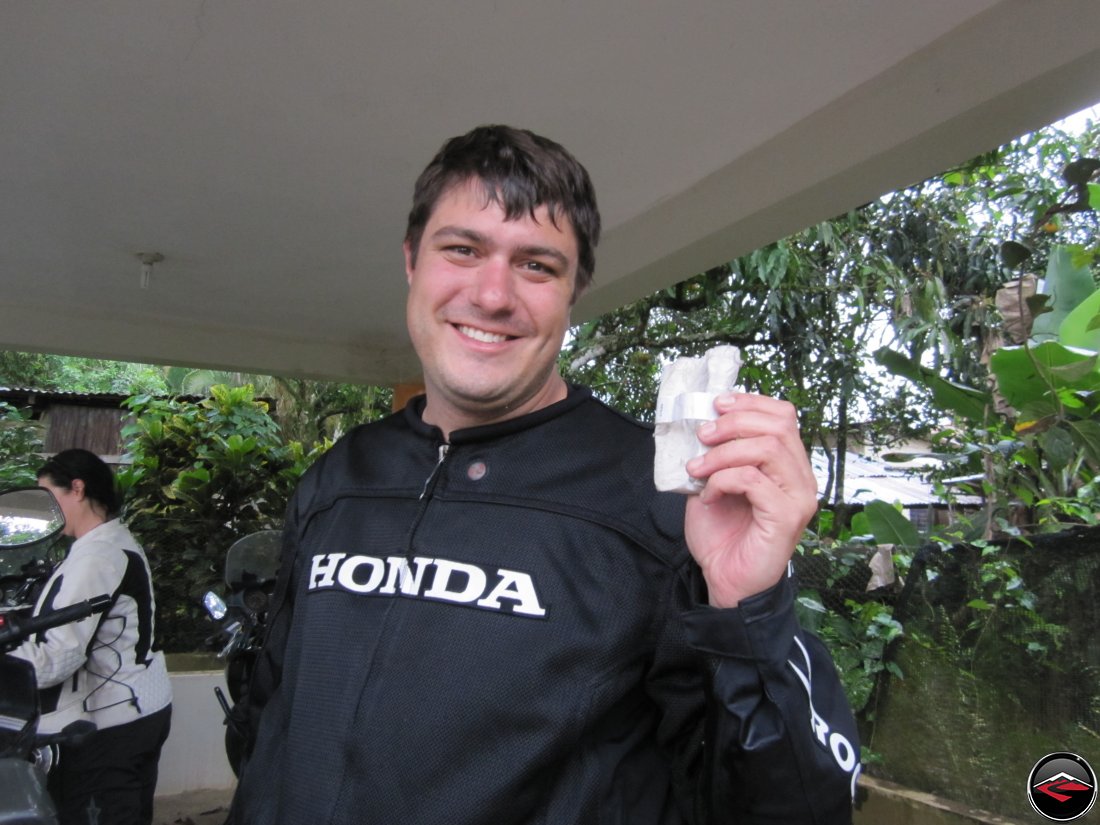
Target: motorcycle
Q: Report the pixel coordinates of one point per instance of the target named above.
(30, 521)
(251, 567)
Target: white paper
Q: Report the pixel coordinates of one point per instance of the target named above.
(684, 400)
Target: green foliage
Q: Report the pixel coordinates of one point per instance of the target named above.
(889, 526)
(922, 265)
(20, 448)
(858, 628)
(1069, 283)
(203, 475)
(970, 403)
(313, 411)
(1004, 610)
(803, 311)
(1034, 438)
(306, 411)
(1050, 384)
(998, 641)
(85, 375)
(858, 638)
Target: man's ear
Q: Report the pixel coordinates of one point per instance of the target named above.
(77, 487)
(409, 265)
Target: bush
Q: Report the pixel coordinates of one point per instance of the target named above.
(203, 475)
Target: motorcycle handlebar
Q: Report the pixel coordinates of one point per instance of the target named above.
(13, 630)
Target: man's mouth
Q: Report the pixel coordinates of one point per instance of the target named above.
(482, 335)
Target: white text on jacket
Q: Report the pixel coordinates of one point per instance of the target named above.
(508, 591)
(843, 753)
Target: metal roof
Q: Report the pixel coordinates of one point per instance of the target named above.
(867, 479)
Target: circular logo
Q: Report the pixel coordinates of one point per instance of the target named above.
(1062, 787)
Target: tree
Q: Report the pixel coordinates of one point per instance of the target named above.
(804, 312)
(305, 410)
(313, 411)
(20, 448)
(84, 375)
(917, 270)
(1025, 421)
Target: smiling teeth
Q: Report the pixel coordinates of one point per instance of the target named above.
(482, 335)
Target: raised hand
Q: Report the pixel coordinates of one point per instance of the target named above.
(760, 493)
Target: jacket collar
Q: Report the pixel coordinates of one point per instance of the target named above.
(414, 412)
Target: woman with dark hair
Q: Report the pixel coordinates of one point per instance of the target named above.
(104, 668)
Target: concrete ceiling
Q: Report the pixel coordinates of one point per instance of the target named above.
(267, 149)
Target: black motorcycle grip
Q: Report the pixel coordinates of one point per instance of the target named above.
(20, 629)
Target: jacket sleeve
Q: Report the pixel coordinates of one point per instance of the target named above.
(59, 652)
(781, 744)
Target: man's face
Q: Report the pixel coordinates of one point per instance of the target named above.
(488, 308)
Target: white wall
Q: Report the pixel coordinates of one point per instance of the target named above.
(194, 755)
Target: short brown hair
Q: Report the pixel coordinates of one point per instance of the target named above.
(520, 172)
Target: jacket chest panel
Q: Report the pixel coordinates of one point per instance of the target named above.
(487, 604)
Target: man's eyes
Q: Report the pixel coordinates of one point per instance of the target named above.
(535, 266)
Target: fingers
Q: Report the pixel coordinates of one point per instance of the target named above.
(760, 492)
(754, 431)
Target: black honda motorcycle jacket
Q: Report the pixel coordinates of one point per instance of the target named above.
(508, 628)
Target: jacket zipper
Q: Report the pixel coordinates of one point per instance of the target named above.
(425, 498)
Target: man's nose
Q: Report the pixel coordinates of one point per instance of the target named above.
(495, 289)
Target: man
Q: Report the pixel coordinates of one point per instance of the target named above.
(487, 614)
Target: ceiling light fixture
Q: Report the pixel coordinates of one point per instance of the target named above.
(147, 260)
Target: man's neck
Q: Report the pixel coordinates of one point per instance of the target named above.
(452, 417)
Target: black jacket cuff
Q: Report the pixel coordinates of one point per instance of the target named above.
(749, 631)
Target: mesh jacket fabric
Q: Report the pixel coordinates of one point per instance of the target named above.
(495, 633)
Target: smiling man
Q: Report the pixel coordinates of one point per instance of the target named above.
(487, 614)
(488, 308)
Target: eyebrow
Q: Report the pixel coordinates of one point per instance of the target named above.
(476, 237)
(458, 232)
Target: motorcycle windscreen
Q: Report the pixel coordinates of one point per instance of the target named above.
(24, 795)
(30, 544)
(27, 516)
(254, 559)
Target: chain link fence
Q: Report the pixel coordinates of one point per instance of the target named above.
(977, 662)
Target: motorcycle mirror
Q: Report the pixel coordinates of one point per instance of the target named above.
(28, 516)
(214, 605)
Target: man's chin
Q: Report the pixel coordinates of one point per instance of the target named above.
(484, 403)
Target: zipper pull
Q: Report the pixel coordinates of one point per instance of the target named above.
(421, 508)
(443, 450)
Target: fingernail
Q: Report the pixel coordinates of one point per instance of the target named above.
(725, 400)
(693, 465)
(707, 428)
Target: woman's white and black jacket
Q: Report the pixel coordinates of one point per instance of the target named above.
(509, 629)
(103, 668)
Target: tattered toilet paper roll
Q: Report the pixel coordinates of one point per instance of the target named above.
(684, 400)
